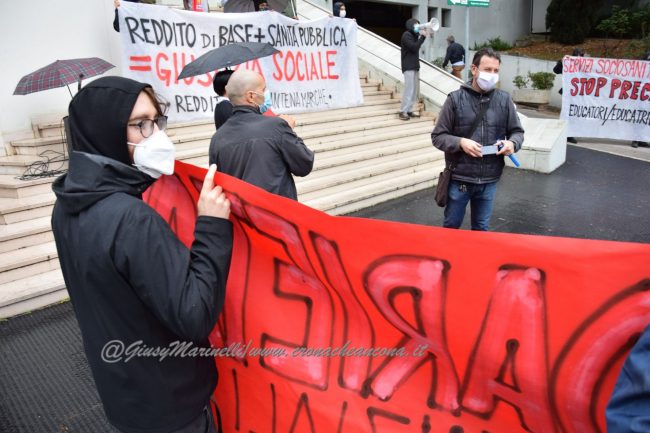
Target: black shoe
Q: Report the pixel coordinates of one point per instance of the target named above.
(411, 114)
(404, 116)
(572, 140)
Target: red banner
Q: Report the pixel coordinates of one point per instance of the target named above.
(336, 324)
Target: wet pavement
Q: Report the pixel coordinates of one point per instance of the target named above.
(44, 377)
(593, 195)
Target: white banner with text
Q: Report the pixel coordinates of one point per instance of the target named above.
(606, 98)
(316, 68)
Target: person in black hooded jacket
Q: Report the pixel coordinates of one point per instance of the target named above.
(410, 50)
(132, 283)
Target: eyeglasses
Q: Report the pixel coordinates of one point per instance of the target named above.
(146, 125)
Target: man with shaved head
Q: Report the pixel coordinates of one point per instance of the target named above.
(261, 150)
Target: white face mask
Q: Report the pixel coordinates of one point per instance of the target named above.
(487, 81)
(342, 13)
(155, 155)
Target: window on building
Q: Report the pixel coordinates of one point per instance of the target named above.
(433, 13)
(445, 19)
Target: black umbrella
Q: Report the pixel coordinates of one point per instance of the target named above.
(226, 56)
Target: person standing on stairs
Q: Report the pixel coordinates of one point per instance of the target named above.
(410, 48)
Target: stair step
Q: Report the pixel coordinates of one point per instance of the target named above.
(35, 146)
(199, 161)
(323, 144)
(334, 180)
(29, 293)
(28, 208)
(203, 126)
(367, 105)
(25, 233)
(51, 129)
(382, 197)
(365, 128)
(193, 149)
(10, 187)
(392, 148)
(19, 264)
(370, 85)
(359, 193)
(342, 124)
(17, 164)
(326, 117)
(385, 93)
(381, 95)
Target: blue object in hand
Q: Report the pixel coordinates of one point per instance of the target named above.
(512, 157)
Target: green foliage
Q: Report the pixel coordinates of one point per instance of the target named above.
(496, 44)
(520, 82)
(537, 80)
(637, 48)
(438, 62)
(542, 80)
(626, 22)
(640, 22)
(570, 21)
(618, 24)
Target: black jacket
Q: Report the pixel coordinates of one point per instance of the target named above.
(455, 53)
(410, 47)
(455, 121)
(130, 279)
(116, 20)
(261, 150)
(222, 112)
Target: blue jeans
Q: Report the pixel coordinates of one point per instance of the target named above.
(481, 197)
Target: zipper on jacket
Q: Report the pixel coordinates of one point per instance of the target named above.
(480, 173)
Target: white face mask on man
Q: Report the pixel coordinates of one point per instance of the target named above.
(487, 80)
(342, 13)
(154, 155)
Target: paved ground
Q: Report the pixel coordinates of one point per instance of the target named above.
(594, 195)
(44, 378)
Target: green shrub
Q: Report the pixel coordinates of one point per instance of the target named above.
(637, 48)
(520, 82)
(496, 44)
(438, 62)
(570, 21)
(542, 80)
(618, 24)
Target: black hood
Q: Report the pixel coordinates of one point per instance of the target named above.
(337, 8)
(92, 178)
(410, 23)
(98, 116)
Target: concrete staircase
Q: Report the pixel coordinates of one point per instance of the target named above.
(364, 155)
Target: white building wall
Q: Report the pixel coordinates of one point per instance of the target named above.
(37, 33)
(539, 15)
